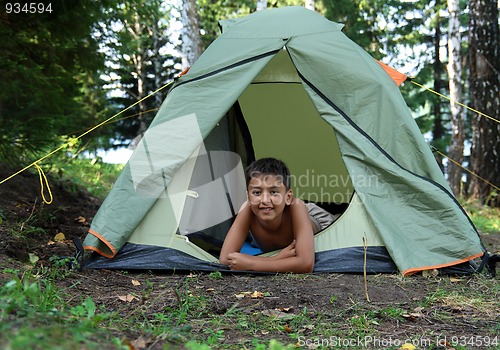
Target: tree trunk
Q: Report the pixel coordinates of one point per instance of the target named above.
(437, 129)
(190, 35)
(484, 58)
(261, 5)
(157, 64)
(141, 74)
(309, 5)
(456, 150)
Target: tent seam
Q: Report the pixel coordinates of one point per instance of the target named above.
(231, 66)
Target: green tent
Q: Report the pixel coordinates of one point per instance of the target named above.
(284, 83)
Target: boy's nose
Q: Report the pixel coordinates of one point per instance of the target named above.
(266, 198)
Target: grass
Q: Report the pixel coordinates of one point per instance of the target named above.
(95, 176)
(485, 218)
(37, 314)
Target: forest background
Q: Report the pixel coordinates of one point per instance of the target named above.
(77, 64)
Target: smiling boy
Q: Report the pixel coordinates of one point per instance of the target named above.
(275, 220)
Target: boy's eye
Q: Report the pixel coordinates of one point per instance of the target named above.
(256, 193)
(274, 192)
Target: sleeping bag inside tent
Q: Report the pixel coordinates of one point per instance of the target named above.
(284, 83)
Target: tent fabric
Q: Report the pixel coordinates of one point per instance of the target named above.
(288, 83)
(345, 260)
(152, 258)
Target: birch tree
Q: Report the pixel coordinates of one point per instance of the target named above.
(138, 63)
(190, 34)
(484, 58)
(456, 150)
(261, 5)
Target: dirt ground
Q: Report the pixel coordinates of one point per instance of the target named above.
(337, 298)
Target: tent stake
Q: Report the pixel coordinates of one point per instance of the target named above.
(364, 271)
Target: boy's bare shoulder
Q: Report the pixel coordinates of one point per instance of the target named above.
(297, 202)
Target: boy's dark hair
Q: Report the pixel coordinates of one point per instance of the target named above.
(268, 166)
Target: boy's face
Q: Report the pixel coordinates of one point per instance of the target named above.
(268, 196)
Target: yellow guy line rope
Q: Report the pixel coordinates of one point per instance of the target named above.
(469, 171)
(458, 103)
(85, 133)
(117, 120)
(43, 179)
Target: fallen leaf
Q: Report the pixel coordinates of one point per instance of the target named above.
(278, 314)
(33, 258)
(81, 219)
(287, 329)
(136, 283)
(285, 309)
(210, 290)
(412, 316)
(59, 237)
(407, 346)
(241, 295)
(140, 343)
(443, 343)
(128, 298)
(417, 313)
(454, 280)
(257, 295)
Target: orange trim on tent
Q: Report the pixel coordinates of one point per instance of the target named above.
(419, 269)
(103, 240)
(398, 77)
(184, 71)
(89, 247)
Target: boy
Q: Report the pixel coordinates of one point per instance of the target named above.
(276, 220)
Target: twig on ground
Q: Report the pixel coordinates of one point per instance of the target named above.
(364, 271)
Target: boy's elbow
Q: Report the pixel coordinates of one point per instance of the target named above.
(306, 267)
(223, 260)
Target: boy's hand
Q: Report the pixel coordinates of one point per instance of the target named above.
(238, 261)
(287, 252)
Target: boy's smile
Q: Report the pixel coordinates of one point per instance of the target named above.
(268, 196)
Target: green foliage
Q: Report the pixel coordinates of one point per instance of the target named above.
(36, 315)
(211, 12)
(75, 171)
(216, 275)
(485, 218)
(49, 62)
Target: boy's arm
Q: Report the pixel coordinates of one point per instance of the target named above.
(237, 234)
(298, 257)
